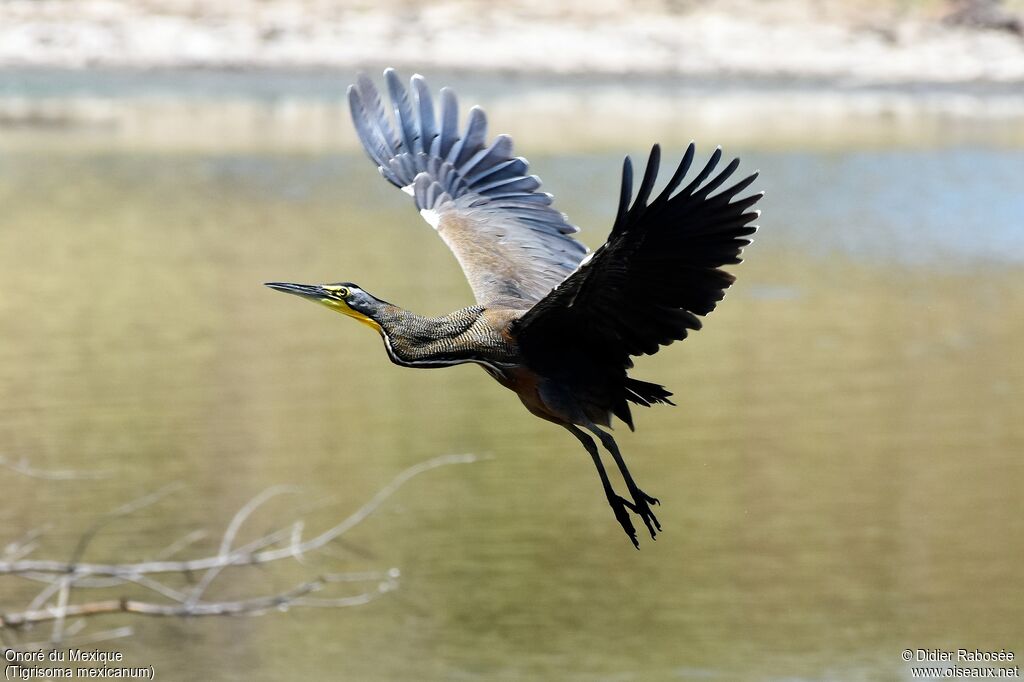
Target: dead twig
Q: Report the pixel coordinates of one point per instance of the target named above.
(25, 469)
(282, 600)
(63, 580)
(124, 510)
(239, 557)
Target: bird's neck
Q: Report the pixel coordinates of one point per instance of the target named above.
(462, 336)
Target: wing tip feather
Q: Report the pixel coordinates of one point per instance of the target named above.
(422, 150)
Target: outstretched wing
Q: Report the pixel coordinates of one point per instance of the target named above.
(512, 245)
(646, 286)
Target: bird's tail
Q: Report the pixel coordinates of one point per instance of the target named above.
(645, 393)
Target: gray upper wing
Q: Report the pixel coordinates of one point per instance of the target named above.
(512, 245)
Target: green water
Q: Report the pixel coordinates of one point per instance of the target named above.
(841, 480)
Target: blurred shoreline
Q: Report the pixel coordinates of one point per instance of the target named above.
(199, 110)
(876, 42)
(181, 75)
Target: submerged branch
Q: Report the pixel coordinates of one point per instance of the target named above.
(54, 603)
(25, 469)
(254, 605)
(238, 557)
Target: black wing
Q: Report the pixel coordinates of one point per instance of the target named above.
(645, 287)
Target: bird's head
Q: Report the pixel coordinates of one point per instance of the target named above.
(344, 297)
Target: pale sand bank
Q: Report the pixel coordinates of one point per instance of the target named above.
(875, 42)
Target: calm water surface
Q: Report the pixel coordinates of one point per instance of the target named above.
(841, 480)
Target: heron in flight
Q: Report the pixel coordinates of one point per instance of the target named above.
(552, 322)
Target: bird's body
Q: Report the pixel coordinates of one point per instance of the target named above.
(554, 324)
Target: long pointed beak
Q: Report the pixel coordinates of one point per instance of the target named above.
(326, 297)
(312, 291)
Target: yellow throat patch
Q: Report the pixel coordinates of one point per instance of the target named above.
(342, 307)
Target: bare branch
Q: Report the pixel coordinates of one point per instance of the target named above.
(123, 510)
(25, 469)
(24, 545)
(222, 608)
(232, 531)
(181, 543)
(73, 629)
(53, 603)
(236, 557)
(61, 610)
(296, 543)
(159, 587)
(45, 594)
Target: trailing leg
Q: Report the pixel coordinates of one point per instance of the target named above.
(620, 506)
(641, 501)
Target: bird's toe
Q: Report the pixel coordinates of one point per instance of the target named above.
(642, 507)
(622, 507)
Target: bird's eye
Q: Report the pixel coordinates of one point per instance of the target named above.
(342, 292)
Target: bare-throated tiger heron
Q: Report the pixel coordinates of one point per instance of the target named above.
(552, 322)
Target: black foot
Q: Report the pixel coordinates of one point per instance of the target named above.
(642, 507)
(622, 507)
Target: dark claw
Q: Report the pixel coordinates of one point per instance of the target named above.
(652, 529)
(619, 506)
(641, 507)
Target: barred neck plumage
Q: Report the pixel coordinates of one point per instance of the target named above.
(462, 336)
